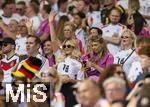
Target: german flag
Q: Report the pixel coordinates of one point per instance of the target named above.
(29, 68)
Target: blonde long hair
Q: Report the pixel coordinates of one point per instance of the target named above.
(97, 38)
(132, 35)
(76, 54)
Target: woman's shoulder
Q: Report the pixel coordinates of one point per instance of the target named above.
(109, 55)
(60, 58)
(108, 58)
(73, 60)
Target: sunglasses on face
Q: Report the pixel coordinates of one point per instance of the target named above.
(19, 9)
(67, 46)
(124, 37)
(67, 30)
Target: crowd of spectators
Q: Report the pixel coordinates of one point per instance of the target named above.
(88, 53)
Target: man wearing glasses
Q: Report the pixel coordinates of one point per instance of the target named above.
(20, 9)
(10, 59)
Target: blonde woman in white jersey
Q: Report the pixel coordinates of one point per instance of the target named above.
(127, 55)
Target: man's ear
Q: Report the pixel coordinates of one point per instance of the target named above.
(13, 47)
(38, 46)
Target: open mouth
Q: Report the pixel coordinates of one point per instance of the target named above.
(124, 40)
(28, 48)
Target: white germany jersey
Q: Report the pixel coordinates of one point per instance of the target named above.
(70, 67)
(95, 18)
(21, 45)
(135, 70)
(7, 66)
(108, 31)
(145, 8)
(126, 57)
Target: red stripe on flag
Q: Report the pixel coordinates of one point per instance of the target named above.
(26, 73)
(32, 66)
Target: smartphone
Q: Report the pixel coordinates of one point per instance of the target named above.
(141, 84)
(84, 63)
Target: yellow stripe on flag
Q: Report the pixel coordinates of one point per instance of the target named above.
(29, 68)
(18, 74)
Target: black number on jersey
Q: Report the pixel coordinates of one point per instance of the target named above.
(66, 68)
(75, 76)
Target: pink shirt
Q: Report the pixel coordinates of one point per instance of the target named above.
(43, 28)
(107, 60)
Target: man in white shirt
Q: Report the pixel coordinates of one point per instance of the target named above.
(10, 60)
(7, 13)
(62, 9)
(21, 39)
(32, 46)
(80, 33)
(112, 31)
(20, 9)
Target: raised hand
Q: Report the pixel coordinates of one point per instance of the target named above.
(29, 23)
(52, 16)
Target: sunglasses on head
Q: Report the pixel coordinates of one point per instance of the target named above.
(67, 46)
